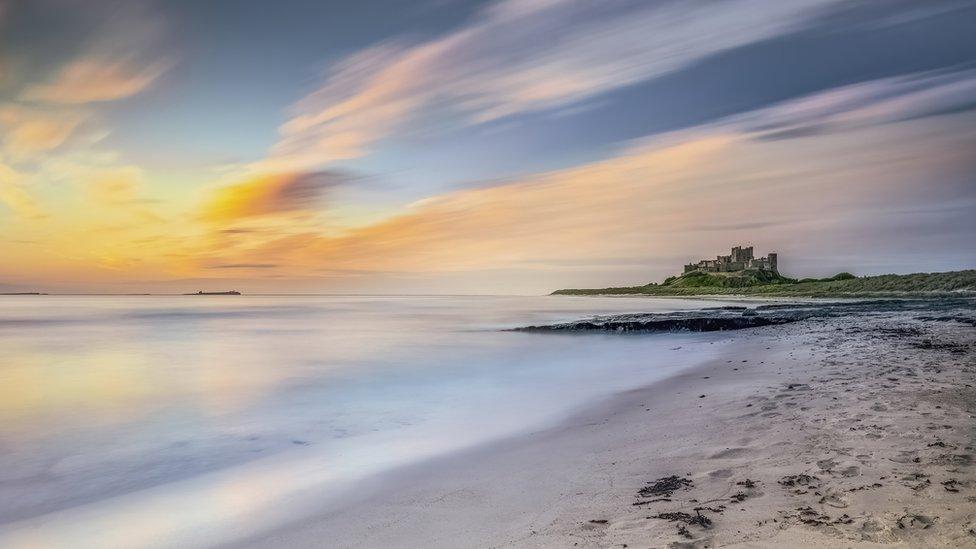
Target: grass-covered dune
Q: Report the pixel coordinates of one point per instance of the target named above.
(765, 283)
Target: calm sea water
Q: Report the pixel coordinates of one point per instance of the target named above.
(193, 421)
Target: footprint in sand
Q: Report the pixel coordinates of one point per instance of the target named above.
(912, 521)
(731, 453)
(845, 469)
(833, 499)
(827, 464)
(877, 531)
(696, 544)
(905, 457)
(849, 471)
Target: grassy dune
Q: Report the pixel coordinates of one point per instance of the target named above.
(764, 283)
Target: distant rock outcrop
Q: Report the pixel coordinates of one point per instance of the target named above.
(231, 292)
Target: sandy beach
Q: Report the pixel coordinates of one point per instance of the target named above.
(855, 431)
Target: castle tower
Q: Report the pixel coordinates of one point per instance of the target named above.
(772, 262)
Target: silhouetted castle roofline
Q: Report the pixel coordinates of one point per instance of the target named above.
(741, 259)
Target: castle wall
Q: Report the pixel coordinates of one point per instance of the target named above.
(739, 260)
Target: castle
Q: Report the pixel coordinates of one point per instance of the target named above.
(739, 260)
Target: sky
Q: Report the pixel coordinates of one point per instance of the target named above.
(497, 146)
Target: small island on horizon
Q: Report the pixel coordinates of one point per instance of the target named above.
(741, 273)
(229, 292)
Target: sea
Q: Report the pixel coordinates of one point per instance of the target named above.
(200, 421)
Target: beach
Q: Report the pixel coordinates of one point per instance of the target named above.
(199, 421)
(850, 431)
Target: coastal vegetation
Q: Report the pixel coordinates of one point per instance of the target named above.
(759, 282)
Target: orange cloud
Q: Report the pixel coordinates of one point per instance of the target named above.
(115, 186)
(607, 207)
(31, 131)
(89, 80)
(14, 196)
(269, 194)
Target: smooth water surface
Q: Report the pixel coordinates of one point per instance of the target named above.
(192, 420)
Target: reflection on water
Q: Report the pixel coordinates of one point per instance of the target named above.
(194, 420)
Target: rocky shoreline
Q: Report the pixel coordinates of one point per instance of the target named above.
(739, 317)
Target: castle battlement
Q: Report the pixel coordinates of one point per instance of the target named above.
(740, 259)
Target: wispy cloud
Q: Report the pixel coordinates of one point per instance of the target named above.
(28, 131)
(49, 122)
(116, 185)
(517, 56)
(13, 195)
(268, 194)
(870, 103)
(91, 80)
(244, 266)
(119, 60)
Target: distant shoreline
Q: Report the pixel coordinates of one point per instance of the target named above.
(918, 285)
(229, 292)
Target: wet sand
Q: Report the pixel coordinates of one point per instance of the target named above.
(841, 432)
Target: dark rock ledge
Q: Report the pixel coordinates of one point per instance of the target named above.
(736, 317)
(654, 323)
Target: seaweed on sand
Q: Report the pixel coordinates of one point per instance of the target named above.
(681, 516)
(665, 486)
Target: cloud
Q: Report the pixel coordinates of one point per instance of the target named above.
(13, 195)
(119, 58)
(871, 103)
(597, 208)
(89, 80)
(4, 71)
(749, 225)
(269, 194)
(244, 266)
(28, 132)
(115, 185)
(517, 56)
